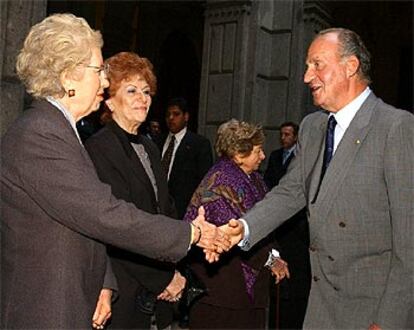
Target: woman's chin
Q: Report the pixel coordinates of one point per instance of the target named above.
(95, 106)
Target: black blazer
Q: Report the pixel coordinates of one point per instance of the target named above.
(292, 236)
(192, 160)
(118, 165)
(276, 169)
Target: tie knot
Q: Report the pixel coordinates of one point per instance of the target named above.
(331, 123)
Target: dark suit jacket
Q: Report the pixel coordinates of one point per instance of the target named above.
(292, 236)
(192, 160)
(56, 218)
(275, 168)
(118, 165)
(287, 311)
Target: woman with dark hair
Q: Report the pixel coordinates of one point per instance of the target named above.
(237, 285)
(130, 163)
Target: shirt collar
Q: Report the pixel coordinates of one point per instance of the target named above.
(178, 136)
(66, 113)
(345, 115)
(291, 149)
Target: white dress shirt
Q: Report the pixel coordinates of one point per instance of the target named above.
(178, 138)
(345, 115)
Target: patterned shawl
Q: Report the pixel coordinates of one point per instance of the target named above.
(227, 192)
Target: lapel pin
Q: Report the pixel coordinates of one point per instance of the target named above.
(357, 141)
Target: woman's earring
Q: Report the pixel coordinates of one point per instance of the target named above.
(71, 92)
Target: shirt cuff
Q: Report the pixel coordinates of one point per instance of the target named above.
(273, 255)
(244, 243)
(191, 236)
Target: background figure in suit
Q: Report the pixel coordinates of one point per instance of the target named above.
(56, 215)
(238, 284)
(154, 131)
(288, 301)
(354, 173)
(130, 163)
(190, 159)
(279, 159)
(186, 158)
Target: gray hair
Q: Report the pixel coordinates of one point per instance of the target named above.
(352, 44)
(237, 137)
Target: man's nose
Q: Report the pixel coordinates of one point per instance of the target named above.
(308, 76)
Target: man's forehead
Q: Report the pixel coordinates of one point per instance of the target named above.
(174, 109)
(322, 47)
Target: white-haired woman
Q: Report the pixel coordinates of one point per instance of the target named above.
(57, 215)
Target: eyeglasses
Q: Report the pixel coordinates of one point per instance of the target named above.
(99, 69)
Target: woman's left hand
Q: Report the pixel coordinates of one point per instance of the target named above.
(280, 269)
(174, 290)
(103, 309)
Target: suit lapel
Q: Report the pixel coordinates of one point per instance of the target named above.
(318, 140)
(183, 148)
(343, 159)
(133, 164)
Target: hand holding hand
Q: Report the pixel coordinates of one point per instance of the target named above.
(235, 230)
(280, 269)
(208, 236)
(174, 290)
(103, 309)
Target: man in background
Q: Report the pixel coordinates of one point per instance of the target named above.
(186, 156)
(280, 159)
(154, 131)
(289, 298)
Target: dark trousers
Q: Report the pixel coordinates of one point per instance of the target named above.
(205, 316)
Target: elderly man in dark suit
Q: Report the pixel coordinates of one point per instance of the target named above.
(354, 173)
(186, 156)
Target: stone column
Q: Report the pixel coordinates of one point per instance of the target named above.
(316, 17)
(253, 63)
(16, 18)
(277, 76)
(224, 69)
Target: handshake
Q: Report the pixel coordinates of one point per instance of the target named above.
(215, 240)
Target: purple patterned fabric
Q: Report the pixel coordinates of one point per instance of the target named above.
(226, 192)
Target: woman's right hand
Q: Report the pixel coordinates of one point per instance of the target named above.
(280, 269)
(174, 290)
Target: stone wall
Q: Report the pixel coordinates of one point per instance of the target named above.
(16, 18)
(253, 63)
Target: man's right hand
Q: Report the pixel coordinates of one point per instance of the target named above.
(235, 230)
(208, 236)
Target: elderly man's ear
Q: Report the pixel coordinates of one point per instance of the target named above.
(352, 66)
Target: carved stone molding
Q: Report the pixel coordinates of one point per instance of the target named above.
(227, 9)
(317, 15)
